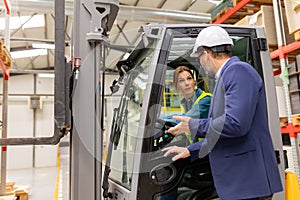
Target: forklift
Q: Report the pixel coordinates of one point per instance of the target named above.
(144, 101)
(135, 166)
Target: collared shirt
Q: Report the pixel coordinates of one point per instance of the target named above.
(188, 103)
(217, 75)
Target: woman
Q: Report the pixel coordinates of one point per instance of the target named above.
(195, 102)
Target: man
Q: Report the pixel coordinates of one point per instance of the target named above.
(237, 136)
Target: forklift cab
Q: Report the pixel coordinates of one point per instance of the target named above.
(135, 164)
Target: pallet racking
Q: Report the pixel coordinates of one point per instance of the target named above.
(292, 127)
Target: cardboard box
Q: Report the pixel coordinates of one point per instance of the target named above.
(295, 102)
(294, 83)
(244, 21)
(296, 120)
(292, 10)
(293, 77)
(10, 197)
(294, 86)
(292, 68)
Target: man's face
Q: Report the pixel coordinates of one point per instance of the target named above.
(205, 62)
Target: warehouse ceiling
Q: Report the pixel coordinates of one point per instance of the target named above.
(32, 24)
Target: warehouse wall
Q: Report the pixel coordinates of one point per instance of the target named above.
(23, 121)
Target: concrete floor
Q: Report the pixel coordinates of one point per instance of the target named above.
(47, 183)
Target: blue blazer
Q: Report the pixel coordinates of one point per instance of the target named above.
(237, 136)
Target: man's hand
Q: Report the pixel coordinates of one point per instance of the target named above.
(181, 152)
(180, 128)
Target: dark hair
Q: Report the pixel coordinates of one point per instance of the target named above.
(177, 71)
(220, 51)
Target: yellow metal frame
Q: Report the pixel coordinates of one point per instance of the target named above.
(291, 186)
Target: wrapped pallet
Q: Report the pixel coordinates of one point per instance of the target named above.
(292, 9)
(294, 85)
(281, 101)
(244, 21)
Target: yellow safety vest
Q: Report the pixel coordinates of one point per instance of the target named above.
(202, 95)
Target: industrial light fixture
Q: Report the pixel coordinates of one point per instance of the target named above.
(46, 75)
(28, 53)
(24, 21)
(43, 46)
(215, 1)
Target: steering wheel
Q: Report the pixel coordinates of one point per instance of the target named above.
(163, 139)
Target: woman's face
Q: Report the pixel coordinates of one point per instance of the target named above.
(186, 84)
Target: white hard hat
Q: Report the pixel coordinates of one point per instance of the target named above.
(210, 37)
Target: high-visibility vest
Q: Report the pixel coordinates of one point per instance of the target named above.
(202, 95)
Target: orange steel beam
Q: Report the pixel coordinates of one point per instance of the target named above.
(232, 11)
(285, 50)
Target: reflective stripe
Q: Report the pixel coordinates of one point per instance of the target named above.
(182, 109)
(202, 95)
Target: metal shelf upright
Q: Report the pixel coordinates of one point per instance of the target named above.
(5, 63)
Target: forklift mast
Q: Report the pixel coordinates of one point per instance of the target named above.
(92, 22)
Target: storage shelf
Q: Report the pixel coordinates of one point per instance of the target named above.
(294, 73)
(280, 53)
(294, 91)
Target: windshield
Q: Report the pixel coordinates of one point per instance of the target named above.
(125, 127)
(172, 97)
